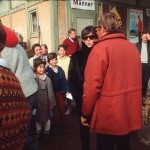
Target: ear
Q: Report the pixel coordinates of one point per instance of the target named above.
(2, 37)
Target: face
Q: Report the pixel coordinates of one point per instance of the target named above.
(38, 51)
(40, 69)
(44, 50)
(53, 62)
(61, 52)
(89, 40)
(72, 34)
(144, 38)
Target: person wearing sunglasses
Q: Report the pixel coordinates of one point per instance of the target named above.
(76, 77)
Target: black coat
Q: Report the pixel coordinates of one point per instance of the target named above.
(76, 74)
(139, 46)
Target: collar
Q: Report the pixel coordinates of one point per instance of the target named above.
(42, 77)
(71, 39)
(111, 35)
(61, 57)
(54, 69)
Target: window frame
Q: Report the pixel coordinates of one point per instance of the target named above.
(31, 23)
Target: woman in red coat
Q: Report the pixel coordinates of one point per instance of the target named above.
(112, 88)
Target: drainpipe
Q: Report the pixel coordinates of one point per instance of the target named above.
(10, 8)
(39, 34)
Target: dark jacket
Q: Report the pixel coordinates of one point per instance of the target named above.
(76, 73)
(58, 79)
(139, 46)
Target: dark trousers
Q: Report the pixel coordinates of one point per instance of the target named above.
(145, 78)
(139, 36)
(32, 127)
(60, 101)
(113, 142)
(84, 131)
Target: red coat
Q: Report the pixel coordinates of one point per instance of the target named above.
(112, 87)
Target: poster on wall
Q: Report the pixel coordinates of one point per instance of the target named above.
(136, 25)
(121, 13)
(83, 4)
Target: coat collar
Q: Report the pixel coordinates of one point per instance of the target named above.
(42, 77)
(111, 35)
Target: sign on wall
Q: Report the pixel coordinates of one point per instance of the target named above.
(83, 4)
(136, 18)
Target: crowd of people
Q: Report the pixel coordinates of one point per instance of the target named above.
(103, 75)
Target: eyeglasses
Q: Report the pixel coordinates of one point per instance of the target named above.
(91, 37)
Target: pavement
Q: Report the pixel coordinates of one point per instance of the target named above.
(57, 140)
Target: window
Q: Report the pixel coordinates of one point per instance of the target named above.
(33, 22)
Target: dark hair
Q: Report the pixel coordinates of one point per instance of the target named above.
(51, 55)
(37, 62)
(2, 37)
(109, 22)
(145, 32)
(70, 30)
(45, 46)
(35, 45)
(87, 30)
(63, 46)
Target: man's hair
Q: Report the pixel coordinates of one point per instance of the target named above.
(109, 22)
(87, 30)
(145, 32)
(35, 45)
(70, 30)
(2, 37)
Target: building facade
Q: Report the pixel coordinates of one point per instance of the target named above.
(48, 21)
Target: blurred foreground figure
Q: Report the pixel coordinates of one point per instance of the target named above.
(112, 99)
(14, 108)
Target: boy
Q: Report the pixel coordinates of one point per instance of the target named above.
(71, 43)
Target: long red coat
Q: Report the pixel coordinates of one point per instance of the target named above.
(112, 88)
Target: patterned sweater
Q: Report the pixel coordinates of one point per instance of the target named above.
(14, 112)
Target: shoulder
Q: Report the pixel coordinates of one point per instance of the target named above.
(76, 40)
(138, 44)
(66, 40)
(77, 54)
(59, 68)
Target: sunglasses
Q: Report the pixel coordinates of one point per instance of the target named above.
(91, 37)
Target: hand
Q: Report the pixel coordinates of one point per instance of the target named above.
(84, 122)
(148, 36)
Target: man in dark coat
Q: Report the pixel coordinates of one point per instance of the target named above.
(144, 50)
(76, 77)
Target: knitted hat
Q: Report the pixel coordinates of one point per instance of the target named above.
(11, 37)
(38, 61)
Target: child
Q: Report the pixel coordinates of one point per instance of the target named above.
(36, 48)
(57, 75)
(63, 61)
(45, 97)
(71, 43)
(44, 49)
